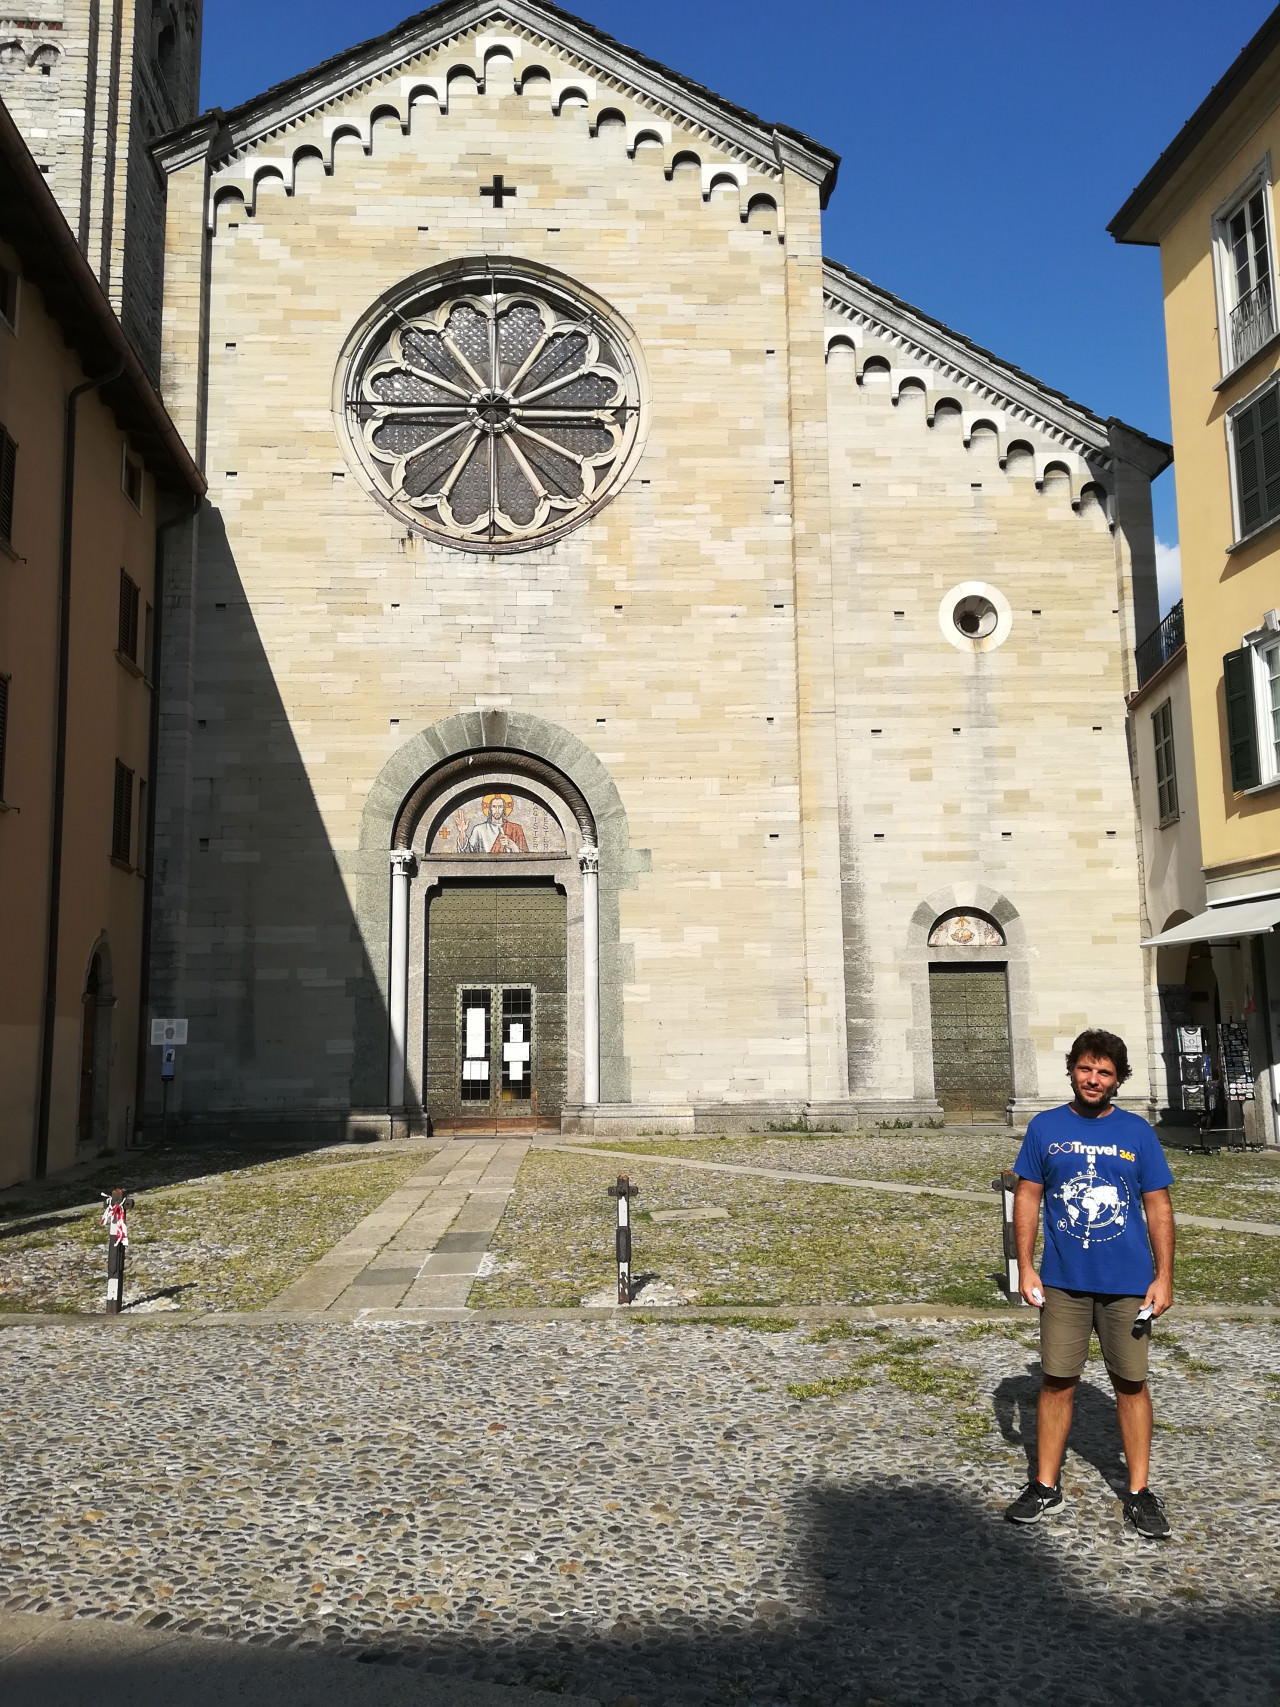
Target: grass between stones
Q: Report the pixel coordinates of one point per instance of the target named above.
(788, 1243)
(211, 1230)
(782, 1244)
(952, 1392)
(1232, 1185)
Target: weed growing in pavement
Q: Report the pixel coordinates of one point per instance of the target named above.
(830, 1388)
(762, 1324)
(1273, 1391)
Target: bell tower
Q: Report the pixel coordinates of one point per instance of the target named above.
(91, 84)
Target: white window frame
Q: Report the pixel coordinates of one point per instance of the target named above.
(129, 462)
(1261, 643)
(1224, 270)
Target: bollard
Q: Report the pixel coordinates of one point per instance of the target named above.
(114, 1209)
(624, 1191)
(1006, 1185)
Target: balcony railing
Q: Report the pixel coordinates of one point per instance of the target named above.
(1160, 645)
(1253, 321)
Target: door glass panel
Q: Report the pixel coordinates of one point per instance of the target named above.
(475, 1046)
(517, 1045)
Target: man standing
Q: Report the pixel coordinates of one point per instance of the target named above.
(1090, 1163)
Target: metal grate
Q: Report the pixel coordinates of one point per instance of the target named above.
(1153, 653)
(1253, 322)
(517, 1045)
(8, 479)
(972, 1072)
(474, 1020)
(499, 946)
(122, 814)
(127, 641)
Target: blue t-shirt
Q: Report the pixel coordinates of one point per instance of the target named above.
(1094, 1173)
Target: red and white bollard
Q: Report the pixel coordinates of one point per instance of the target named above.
(114, 1209)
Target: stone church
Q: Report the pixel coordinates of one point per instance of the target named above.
(630, 672)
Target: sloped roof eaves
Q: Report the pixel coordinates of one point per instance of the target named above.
(1002, 374)
(33, 222)
(1216, 103)
(397, 42)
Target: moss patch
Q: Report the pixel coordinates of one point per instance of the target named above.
(210, 1230)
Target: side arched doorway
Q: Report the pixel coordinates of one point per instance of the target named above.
(969, 1018)
(93, 1098)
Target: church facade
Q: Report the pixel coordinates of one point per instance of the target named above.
(629, 672)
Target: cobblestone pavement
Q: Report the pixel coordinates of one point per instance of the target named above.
(649, 1512)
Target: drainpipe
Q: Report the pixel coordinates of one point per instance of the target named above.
(60, 764)
(148, 830)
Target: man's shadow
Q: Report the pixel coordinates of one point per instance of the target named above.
(1095, 1432)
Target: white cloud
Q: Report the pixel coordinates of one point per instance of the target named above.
(1168, 575)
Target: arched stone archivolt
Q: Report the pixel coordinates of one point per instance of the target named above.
(984, 902)
(445, 763)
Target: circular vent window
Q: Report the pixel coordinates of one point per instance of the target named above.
(975, 617)
(492, 407)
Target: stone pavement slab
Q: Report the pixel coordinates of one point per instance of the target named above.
(56, 1662)
(389, 1257)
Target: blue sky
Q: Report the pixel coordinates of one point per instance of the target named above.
(985, 145)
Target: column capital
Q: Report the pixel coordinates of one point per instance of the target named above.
(403, 862)
(588, 858)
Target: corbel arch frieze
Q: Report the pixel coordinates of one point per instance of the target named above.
(645, 127)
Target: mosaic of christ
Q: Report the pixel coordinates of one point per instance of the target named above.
(492, 825)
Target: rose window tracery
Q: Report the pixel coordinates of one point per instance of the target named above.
(496, 412)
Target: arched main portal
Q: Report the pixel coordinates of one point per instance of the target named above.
(494, 995)
(553, 779)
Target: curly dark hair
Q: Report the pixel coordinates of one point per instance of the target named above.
(1103, 1044)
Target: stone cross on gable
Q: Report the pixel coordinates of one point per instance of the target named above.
(498, 189)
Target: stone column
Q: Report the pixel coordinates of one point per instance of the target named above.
(403, 866)
(589, 863)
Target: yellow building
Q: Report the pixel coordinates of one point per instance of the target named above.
(1209, 204)
(91, 468)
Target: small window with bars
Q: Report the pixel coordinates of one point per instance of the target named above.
(131, 478)
(475, 1046)
(127, 641)
(517, 1045)
(4, 727)
(9, 297)
(122, 815)
(1255, 432)
(8, 481)
(1166, 771)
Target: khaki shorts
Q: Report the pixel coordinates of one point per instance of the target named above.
(1068, 1318)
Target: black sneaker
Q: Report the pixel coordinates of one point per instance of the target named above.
(1144, 1514)
(1032, 1503)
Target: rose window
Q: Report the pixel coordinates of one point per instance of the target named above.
(495, 412)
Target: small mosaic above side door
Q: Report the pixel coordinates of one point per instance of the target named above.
(498, 825)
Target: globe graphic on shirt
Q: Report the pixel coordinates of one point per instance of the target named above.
(1095, 1209)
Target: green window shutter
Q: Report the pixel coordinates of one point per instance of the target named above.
(1242, 721)
(1257, 436)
